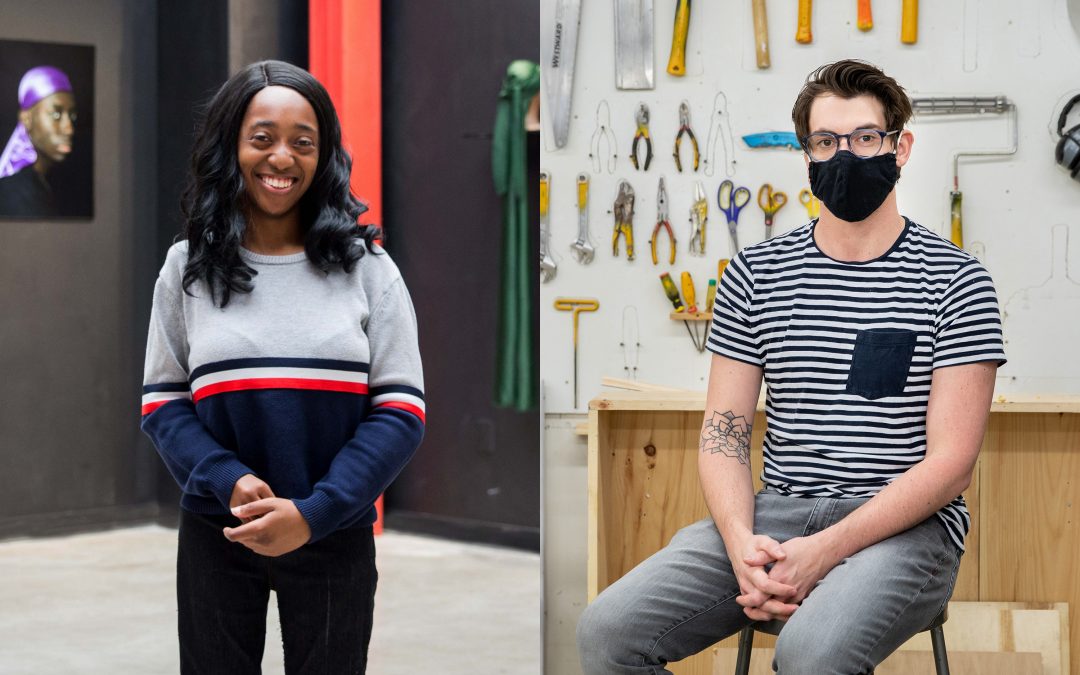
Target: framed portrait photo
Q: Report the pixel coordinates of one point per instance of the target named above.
(46, 131)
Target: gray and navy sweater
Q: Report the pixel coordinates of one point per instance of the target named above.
(312, 382)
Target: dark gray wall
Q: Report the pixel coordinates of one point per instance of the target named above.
(73, 293)
(476, 475)
(75, 296)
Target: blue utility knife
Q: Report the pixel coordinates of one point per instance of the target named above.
(773, 139)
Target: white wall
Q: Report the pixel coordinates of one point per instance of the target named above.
(1028, 52)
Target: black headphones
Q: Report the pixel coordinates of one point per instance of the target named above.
(1068, 146)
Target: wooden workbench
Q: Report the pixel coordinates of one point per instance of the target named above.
(1024, 544)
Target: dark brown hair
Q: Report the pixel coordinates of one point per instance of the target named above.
(847, 79)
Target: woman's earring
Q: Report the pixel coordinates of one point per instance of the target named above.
(208, 235)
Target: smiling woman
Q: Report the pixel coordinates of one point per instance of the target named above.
(282, 411)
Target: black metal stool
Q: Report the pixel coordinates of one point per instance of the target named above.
(746, 642)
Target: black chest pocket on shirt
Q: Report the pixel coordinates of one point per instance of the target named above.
(880, 362)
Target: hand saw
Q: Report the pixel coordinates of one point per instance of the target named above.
(634, 44)
(559, 75)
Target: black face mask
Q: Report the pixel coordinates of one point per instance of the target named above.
(851, 187)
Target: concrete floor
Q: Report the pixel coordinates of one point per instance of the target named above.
(104, 603)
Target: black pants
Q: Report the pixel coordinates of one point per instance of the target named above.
(325, 593)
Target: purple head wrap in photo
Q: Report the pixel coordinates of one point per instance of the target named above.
(35, 85)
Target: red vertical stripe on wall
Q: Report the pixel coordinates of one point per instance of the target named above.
(345, 44)
(345, 54)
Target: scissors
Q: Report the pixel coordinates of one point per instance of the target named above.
(812, 203)
(731, 201)
(770, 202)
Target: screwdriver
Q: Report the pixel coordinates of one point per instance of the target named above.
(671, 292)
(688, 292)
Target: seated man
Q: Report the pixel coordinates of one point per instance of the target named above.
(878, 341)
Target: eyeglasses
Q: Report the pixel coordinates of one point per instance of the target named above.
(821, 146)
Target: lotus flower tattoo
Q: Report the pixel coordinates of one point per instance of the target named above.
(727, 434)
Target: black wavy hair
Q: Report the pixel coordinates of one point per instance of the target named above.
(214, 199)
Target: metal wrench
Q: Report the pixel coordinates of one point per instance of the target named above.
(583, 248)
(547, 263)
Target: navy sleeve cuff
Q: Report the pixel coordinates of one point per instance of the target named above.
(319, 512)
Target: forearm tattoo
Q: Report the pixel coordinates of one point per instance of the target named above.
(727, 434)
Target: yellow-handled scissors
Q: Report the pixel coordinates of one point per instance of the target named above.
(770, 202)
(812, 203)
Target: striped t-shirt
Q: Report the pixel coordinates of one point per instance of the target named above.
(848, 350)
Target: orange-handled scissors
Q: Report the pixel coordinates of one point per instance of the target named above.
(770, 202)
(812, 203)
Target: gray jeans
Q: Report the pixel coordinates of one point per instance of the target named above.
(682, 599)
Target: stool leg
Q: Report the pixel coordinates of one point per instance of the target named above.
(746, 643)
(941, 657)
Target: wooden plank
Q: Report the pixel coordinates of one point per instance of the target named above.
(1030, 493)
(1040, 628)
(907, 663)
(595, 554)
(687, 400)
(981, 637)
(635, 385)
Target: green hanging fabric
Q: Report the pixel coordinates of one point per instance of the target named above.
(515, 384)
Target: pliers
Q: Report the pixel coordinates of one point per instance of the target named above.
(624, 220)
(641, 117)
(684, 128)
(699, 216)
(662, 221)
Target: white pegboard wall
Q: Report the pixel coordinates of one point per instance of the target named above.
(1027, 53)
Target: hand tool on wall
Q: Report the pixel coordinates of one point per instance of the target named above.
(684, 128)
(721, 122)
(624, 220)
(956, 233)
(731, 202)
(662, 221)
(864, 17)
(641, 131)
(603, 135)
(559, 75)
(547, 263)
(710, 296)
(770, 202)
(583, 247)
(761, 34)
(672, 292)
(773, 139)
(803, 34)
(909, 22)
(689, 295)
(959, 105)
(676, 64)
(699, 217)
(812, 203)
(577, 306)
(634, 44)
(720, 267)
